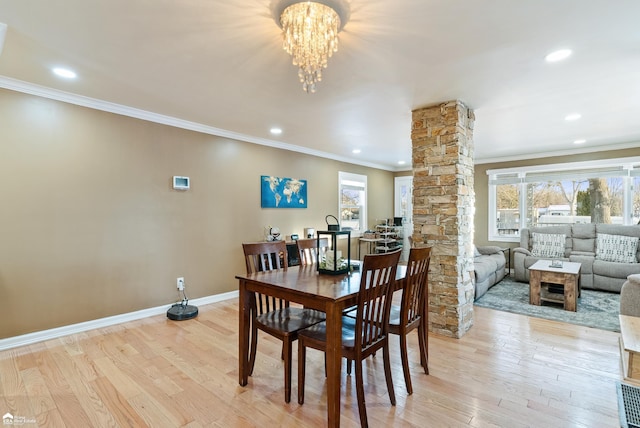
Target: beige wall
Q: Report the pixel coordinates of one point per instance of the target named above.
(90, 226)
(482, 185)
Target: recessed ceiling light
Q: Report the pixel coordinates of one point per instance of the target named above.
(276, 131)
(581, 141)
(558, 55)
(356, 151)
(64, 72)
(401, 162)
(573, 116)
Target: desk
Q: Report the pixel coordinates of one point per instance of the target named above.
(293, 257)
(304, 285)
(369, 241)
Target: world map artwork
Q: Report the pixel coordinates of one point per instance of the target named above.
(278, 192)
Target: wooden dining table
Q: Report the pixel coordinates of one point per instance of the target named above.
(306, 286)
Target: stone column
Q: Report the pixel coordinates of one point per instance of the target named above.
(443, 211)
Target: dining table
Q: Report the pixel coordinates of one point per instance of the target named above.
(306, 286)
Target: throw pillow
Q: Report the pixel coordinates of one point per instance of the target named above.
(476, 253)
(616, 248)
(548, 245)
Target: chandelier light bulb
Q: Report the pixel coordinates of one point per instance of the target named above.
(310, 36)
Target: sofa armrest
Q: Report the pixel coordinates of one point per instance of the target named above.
(521, 273)
(488, 250)
(630, 296)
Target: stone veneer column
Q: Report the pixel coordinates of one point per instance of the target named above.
(443, 211)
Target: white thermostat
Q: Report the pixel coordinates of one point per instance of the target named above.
(180, 183)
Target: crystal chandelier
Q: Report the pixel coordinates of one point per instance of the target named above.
(310, 33)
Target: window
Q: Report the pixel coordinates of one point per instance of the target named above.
(403, 204)
(353, 201)
(604, 191)
(635, 198)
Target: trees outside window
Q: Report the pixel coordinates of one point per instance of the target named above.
(353, 201)
(563, 194)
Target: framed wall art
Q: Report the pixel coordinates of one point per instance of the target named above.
(279, 192)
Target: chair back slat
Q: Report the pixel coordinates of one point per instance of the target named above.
(416, 286)
(266, 256)
(309, 251)
(378, 273)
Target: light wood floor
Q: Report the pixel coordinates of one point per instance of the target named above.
(508, 371)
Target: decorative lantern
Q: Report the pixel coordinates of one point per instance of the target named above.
(333, 263)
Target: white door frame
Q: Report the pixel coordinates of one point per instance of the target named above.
(403, 195)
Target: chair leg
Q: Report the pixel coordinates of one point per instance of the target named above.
(254, 345)
(405, 362)
(325, 364)
(302, 357)
(387, 372)
(424, 347)
(360, 395)
(286, 350)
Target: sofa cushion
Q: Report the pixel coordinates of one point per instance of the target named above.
(548, 245)
(484, 267)
(583, 238)
(584, 245)
(583, 231)
(586, 263)
(614, 269)
(618, 229)
(616, 248)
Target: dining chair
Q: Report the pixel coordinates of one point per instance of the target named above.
(275, 316)
(412, 313)
(307, 249)
(365, 334)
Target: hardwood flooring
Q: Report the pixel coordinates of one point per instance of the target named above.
(507, 371)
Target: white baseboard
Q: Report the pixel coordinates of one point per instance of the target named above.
(39, 336)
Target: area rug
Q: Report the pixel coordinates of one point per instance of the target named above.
(597, 309)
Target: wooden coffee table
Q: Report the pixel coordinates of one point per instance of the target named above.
(630, 347)
(568, 276)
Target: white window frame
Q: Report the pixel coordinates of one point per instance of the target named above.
(348, 179)
(399, 183)
(627, 167)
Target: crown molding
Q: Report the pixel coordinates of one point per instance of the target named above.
(542, 155)
(96, 104)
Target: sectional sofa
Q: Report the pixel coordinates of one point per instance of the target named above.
(488, 268)
(608, 253)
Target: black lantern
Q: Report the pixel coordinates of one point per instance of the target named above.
(333, 263)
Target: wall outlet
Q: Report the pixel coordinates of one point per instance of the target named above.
(180, 283)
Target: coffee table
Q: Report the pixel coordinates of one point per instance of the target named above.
(630, 347)
(568, 276)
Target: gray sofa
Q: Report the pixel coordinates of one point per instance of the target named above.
(630, 296)
(488, 268)
(581, 245)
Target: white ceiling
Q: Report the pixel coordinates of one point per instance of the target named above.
(220, 64)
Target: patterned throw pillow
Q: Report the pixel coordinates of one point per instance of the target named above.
(548, 245)
(616, 248)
